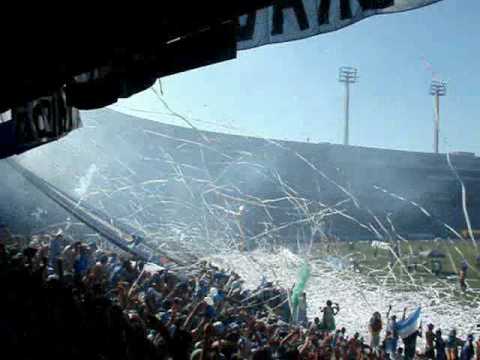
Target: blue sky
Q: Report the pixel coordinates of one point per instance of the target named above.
(290, 90)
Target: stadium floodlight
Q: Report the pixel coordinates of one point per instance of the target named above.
(347, 75)
(437, 89)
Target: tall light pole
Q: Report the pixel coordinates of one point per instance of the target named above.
(347, 75)
(437, 89)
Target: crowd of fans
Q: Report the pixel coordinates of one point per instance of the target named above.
(72, 300)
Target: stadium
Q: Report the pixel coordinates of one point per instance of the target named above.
(160, 237)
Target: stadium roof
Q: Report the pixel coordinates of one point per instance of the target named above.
(87, 57)
(169, 36)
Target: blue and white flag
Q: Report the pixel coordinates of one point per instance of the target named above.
(410, 324)
(288, 20)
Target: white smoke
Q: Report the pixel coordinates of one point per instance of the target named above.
(85, 181)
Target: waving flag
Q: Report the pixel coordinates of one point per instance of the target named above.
(288, 20)
(303, 276)
(410, 324)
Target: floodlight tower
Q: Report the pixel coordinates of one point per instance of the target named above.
(347, 75)
(437, 89)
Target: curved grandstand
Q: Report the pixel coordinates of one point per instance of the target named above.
(167, 180)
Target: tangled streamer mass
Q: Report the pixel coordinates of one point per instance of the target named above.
(359, 295)
(196, 195)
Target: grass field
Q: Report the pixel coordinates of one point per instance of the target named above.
(367, 257)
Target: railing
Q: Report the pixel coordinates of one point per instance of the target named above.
(93, 218)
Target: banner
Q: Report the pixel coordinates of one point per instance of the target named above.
(37, 122)
(410, 324)
(288, 20)
(41, 121)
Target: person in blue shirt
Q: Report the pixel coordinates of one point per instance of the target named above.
(467, 349)
(392, 327)
(153, 298)
(82, 262)
(390, 344)
(123, 272)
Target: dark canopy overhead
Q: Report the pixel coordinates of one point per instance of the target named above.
(125, 47)
(56, 59)
(46, 49)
